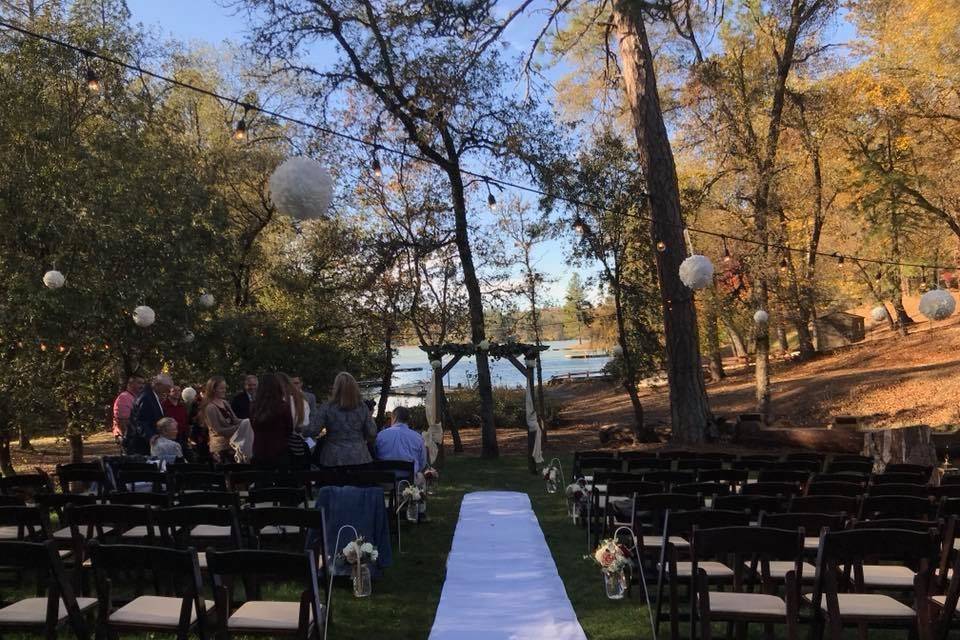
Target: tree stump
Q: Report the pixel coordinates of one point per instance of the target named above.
(909, 444)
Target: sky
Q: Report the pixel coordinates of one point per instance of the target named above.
(208, 22)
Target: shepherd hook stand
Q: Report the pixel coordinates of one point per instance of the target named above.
(643, 578)
(332, 570)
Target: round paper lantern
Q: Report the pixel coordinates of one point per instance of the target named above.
(53, 279)
(207, 300)
(617, 351)
(696, 272)
(879, 313)
(436, 364)
(301, 188)
(937, 304)
(143, 316)
(188, 395)
(761, 317)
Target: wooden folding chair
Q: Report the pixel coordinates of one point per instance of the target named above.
(840, 597)
(176, 604)
(814, 524)
(901, 477)
(155, 500)
(944, 614)
(896, 506)
(833, 504)
(45, 614)
(26, 486)
(899, 489)
(256, 616)
(670, 478)
(88, 477)
(819, 487)
(769, 488)
(199, 528)
(770, 557)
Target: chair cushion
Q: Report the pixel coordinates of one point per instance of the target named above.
(655, 541)
(154, 611)
(867, 605)
(941, 601)
(64, 534)
(883, 575)
(759, 604)
(211, 531)
(272, 530)
(779, 569)
(261, 615)
(713, 569)
(34, 610)
(811, 543)
(135, 532)
(9, 533)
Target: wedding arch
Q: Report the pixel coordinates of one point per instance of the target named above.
(437, 409)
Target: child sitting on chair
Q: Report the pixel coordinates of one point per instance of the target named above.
(164, 445)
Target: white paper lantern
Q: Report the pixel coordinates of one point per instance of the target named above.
(879, 313)
(53, 279)
(761, 317)
(484, 345)
(188, 336)
(436, 364)
(188, 395)
(143, 316)
(207, 300)
(937, 304)
(301, 188)
(696, 272)
(617, 351)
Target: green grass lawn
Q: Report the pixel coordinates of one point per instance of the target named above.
(408, 595)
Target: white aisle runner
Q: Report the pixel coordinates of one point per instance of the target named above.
(502, 583)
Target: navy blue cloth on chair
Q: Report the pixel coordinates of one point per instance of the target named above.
(363, 508)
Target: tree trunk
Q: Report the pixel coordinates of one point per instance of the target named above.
(488, 433)
(782, 338)
(640, 432)
(804, 336)
(762, 368)
(714, 356)
(689, 410)
(76, 447)
(6, 462)
(386, 378)
(24, 439)
(736, 340)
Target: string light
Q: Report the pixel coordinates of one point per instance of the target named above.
(839, 257)
(726, 251)
(240, 133)
(661, 246)
(579, 225)
(375, 165)
(93, 80)
(783, 265)
(94, 85)
(879, 275)
(491, 201)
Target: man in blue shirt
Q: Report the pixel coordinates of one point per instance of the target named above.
(400, 442)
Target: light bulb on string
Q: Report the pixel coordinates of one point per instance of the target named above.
(726, 251)
(375, 165)
(93, 80)
(579, 226)
(491, 201)
(783, 265)
(839, 256)
(661, 246)
(240, 132)
(879, 275)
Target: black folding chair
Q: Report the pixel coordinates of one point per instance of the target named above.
(841, 598)
(45, 614)
(88, 477)
(255, 616)
(849, 505)
(898, 489)
(833, 488)
(786, 489)
(176, 604)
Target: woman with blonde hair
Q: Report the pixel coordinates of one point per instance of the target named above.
(348, 423)
(217, 416)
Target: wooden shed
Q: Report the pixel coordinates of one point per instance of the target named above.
(838, 329)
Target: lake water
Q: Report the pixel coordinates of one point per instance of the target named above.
(556, 361)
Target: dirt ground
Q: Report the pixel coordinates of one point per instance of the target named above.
(888, 379)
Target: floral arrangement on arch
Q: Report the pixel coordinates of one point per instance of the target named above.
(359, 552)
(611, 556)
(430, 473)
(412, 493)
(550, 474)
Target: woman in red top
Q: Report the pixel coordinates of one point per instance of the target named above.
(271, 422)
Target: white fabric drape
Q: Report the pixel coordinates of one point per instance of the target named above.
(242, 441)
(502, 582)
(433, 436)
(533, 424)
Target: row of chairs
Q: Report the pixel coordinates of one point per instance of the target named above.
(882, 572)
(118, 476)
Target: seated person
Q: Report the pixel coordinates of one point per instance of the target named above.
(164, 445)
(400, 442)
